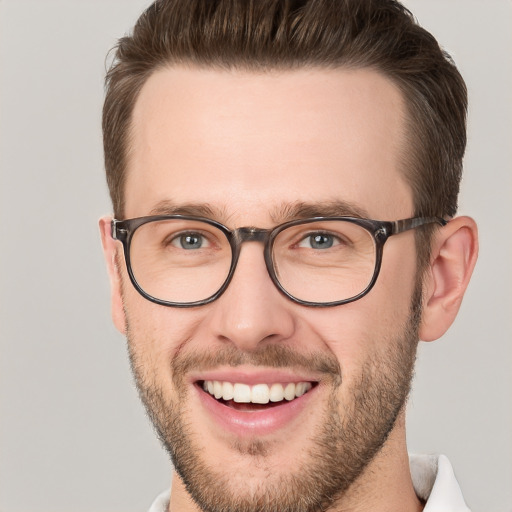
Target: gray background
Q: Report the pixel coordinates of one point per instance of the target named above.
(73, 436)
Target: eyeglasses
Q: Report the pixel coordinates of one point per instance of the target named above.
(185, 261)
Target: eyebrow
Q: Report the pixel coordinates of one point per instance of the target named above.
(306, 210)
(168, 207)
(280, 214)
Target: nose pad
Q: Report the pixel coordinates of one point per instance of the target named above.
(252, 310)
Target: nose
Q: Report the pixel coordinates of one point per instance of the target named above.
(252, 311)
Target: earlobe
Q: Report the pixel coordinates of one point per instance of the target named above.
(110, 251)
(453, 257)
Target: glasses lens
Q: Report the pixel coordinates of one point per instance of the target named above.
(324, 261)
(178, 260)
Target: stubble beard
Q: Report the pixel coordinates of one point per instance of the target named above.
(349, 437)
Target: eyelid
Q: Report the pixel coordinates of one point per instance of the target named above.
(336, 239)
(174, 238)
(212, 238)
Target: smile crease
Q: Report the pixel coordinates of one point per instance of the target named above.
(256, 394)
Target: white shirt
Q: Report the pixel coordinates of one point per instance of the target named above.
(432, 477)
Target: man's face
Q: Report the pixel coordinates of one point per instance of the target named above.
(249, 148)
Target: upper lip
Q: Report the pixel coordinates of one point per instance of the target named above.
(252, 376)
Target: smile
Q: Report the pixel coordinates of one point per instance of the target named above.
(248, 405)
(255, 394)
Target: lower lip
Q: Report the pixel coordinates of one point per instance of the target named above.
(258, 422)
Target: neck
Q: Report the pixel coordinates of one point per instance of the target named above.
(386, 484)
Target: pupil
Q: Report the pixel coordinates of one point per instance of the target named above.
(190, 242)
(321, 241)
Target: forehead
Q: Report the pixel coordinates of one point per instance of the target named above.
(246, 143)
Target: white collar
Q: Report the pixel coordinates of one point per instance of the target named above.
(434, 481)
(432, 477)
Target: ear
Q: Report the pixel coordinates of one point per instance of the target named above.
(110, 250)
(453, 257)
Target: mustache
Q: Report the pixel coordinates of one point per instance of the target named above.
(273, 356)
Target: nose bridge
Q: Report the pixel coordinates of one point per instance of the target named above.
(252, 309)
(251, 234)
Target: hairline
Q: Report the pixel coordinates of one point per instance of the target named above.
(253, 67)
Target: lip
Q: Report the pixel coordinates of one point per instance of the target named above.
(252, 377)
(257, 422)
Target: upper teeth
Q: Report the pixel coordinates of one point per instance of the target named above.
(257, 394)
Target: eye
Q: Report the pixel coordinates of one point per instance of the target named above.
(190, 241)
(319, 241)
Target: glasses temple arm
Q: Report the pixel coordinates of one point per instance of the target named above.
(399, 226)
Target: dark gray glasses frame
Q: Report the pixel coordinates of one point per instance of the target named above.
(123, 231)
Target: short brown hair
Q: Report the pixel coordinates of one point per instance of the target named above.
(288, 34)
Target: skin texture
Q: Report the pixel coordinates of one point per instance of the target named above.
(248, 146)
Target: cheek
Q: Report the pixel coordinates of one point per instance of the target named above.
(368, 328)
(397, 280)
(157, 333)
(349, 333)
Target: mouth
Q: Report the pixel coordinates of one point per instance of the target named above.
(249, 401)
(257, 397)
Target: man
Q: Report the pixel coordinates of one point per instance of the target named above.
(284, 176)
